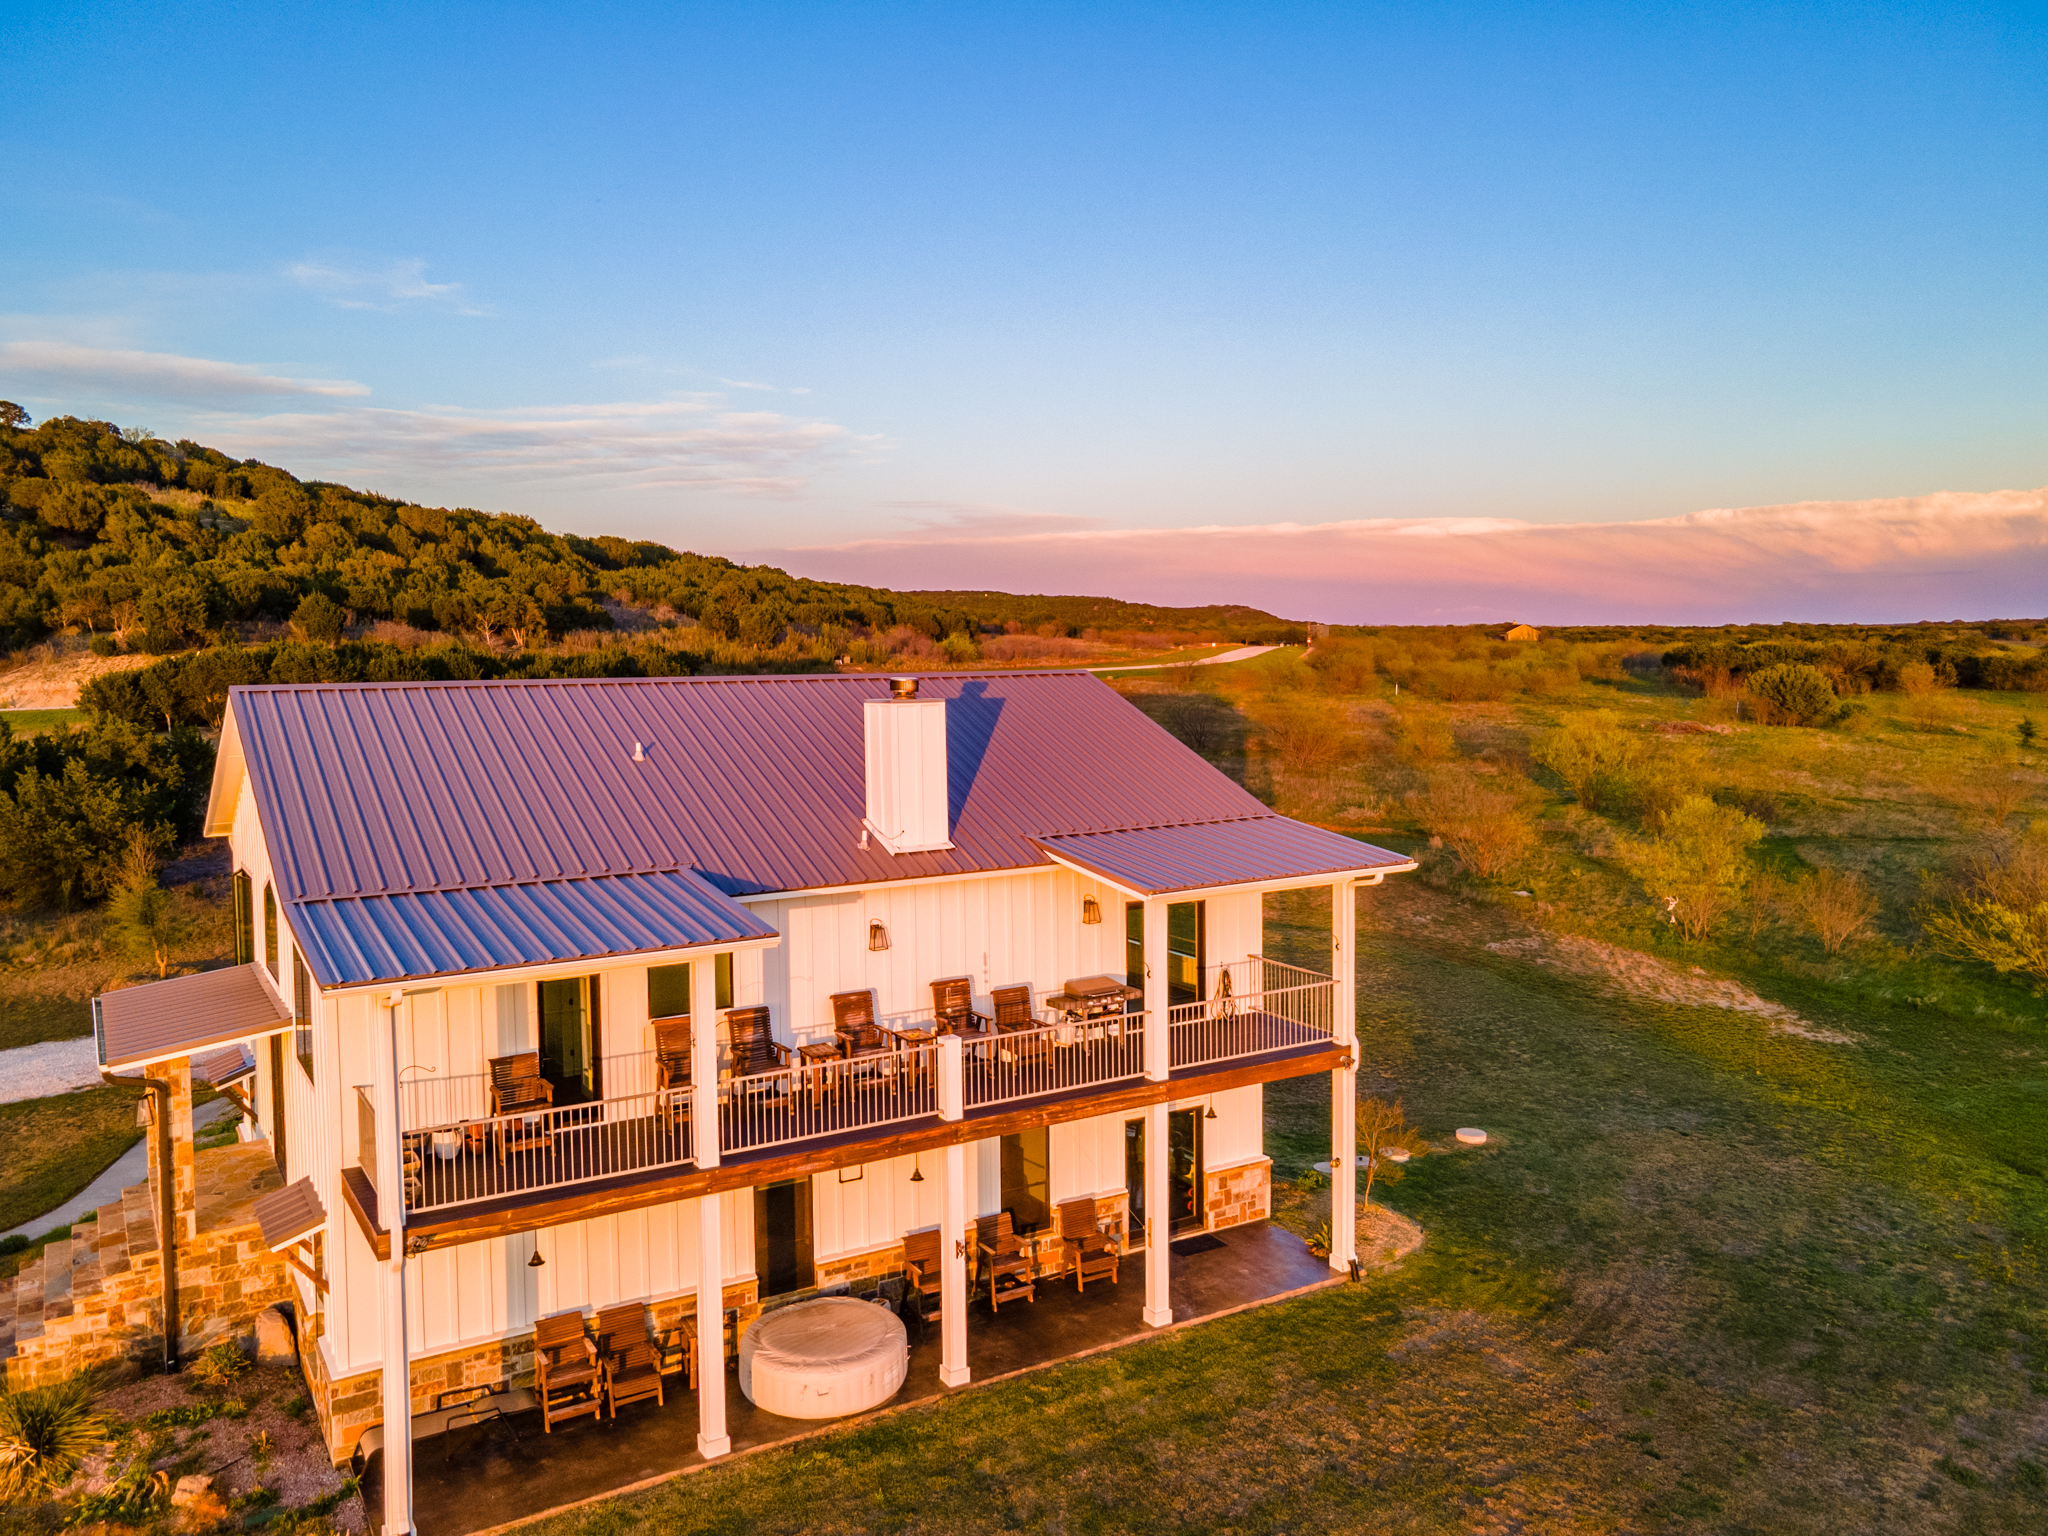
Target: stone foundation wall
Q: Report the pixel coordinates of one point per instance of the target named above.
(104, 1303)
(1233, 1196)
(352, 1404)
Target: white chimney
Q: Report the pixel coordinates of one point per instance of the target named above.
(908, 810)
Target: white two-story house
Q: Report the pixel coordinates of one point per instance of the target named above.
(464, 889)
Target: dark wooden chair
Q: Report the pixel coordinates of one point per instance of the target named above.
(861, 1039)
(673, 1039)
(921, 1270)
(517, 1088)
(754, 1046)
(1089, 1252)
(675, 1350)
(632, 1366)
(1013, 1010)
(568, 1372)
(1003, 1257)
(953, 1007)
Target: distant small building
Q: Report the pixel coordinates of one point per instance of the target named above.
(1522, 632)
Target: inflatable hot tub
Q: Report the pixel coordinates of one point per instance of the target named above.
(821, 1359)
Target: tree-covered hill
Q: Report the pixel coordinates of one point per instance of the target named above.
(111, 530)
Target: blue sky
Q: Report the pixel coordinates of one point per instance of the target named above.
(900, 290)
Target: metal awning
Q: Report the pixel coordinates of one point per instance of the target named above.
(289, 1215)
(163, 1020)
(1210, 855)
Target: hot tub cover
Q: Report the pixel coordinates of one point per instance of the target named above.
(821, 1359)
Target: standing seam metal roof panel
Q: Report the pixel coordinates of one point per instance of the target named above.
(1157, 860)
(757, 783)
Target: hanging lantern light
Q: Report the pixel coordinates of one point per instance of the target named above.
(1091, 910)
(536, 1261)
(917, 1170)
(878, 936)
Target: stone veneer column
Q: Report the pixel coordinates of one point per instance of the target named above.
(184, 1172)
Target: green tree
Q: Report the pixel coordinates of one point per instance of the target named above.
(1594, 756)
(319, 618)
(146, 921)
(1792, 694)
(1697, 865)
(1387, 1141)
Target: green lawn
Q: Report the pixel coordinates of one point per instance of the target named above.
(1701, 1279)
(29, 722)
(57, 1146)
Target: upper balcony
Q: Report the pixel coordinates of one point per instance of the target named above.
(472, 1145)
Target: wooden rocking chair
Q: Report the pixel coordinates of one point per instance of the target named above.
(517, 1088)
(1008, 1265)
(921, 1268)
(1013, 1010)
(631, 1363)
(1090, 1252)
(953, 1007)
(754, 1046)
(673, 1040)
(861, 1040)
(568, 1373)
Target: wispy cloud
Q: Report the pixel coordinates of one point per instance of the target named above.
(114, 371)
(1953, 554)
(391, 285)
(774, 389)
(669, 443)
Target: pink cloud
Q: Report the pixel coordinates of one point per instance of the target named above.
(1950, 555)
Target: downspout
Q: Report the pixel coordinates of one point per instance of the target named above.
(166, 1181)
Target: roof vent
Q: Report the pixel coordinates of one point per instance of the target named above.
(639, 753)
(908, 809)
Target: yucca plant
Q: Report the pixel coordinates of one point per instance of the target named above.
(45, 1432)
(220, 1366)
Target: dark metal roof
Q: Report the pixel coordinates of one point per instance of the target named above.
(757, 783)
(224, 1066)
(443, 933)
(423, 829)
(1157, 860)
(289, 1215)
(162, 1020)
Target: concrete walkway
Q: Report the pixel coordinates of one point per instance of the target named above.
(1242, 653)
(131, 1167)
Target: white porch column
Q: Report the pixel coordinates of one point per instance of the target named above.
(1158, 1219)
(712, 1440)
(953, 1266)
(704, 1063)
(397, 1375)
(1344, 1080)
(1158, 1032)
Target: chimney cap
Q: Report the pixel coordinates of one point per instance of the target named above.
(902, 687)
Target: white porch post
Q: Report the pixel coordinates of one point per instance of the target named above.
(1158, 1066)
(1158, 1031)
(1344, 1080)
(1158, 1220)
(704, 1061)
(953, 1266)
(712, 1439)
(397, 1375)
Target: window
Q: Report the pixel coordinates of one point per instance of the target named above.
(1186, 939)
(1134, 945)
(723, 980)
(270, 930)
(245, 919)
(302, 1013)
(1027, 1187)
(668, 991)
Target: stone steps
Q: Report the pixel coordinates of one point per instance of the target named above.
(50, 1289)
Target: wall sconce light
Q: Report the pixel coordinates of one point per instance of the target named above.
(878, 936)
(1091, 910)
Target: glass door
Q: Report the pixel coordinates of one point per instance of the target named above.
(1186, 939)
(569, 1040)
(782, 1237)
(1184, 1168)
(1134, 1183)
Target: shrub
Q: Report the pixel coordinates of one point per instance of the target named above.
(146, 922)
(1594, 756)
(220, 1366)
(1696, 865)
(1837, 906)
(1792, 694)
(319, 618)
(1487, 824)
(45, 1432)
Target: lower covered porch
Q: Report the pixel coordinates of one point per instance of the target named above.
(485, 1473)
